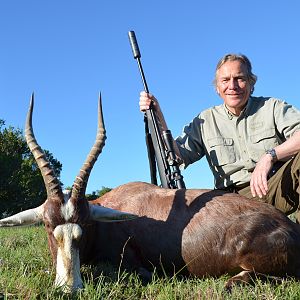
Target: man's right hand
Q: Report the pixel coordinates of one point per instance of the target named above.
(145, 101)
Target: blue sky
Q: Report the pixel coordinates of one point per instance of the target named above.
(66, 52)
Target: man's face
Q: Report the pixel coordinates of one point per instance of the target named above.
(233, 85)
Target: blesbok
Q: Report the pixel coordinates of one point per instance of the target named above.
(194, 231)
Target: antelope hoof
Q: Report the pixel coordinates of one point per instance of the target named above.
(243, 277)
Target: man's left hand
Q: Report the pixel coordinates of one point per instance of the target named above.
(259, 177)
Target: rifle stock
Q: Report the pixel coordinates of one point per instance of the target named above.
(161, 142)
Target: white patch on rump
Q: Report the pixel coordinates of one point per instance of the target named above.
(68, 263)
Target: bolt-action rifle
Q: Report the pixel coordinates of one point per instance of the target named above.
(159, 143)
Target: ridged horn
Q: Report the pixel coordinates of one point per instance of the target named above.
(80, 183)
(52, 184)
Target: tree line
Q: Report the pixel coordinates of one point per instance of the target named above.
(21, 183)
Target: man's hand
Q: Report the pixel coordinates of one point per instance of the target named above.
(259, 177)
(146, 100)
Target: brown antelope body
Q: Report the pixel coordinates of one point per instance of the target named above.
(197, 232)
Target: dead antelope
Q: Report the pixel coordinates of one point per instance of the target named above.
(197, 232)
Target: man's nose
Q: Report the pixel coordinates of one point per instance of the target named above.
(233, 83)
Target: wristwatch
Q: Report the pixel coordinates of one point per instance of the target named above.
(272, 152)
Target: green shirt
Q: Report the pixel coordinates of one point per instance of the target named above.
(233, 145)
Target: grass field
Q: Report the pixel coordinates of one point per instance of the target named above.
(26, 272)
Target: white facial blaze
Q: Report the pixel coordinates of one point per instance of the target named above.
(67, 211)
(68, 263)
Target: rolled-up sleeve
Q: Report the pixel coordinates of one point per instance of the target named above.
(287, 119)
(190, 142)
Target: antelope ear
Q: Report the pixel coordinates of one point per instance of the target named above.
(26, 217)
(105, 214)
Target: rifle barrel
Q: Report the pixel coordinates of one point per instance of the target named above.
(168, 179)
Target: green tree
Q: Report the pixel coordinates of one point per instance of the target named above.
(98, 193)
(21, 183)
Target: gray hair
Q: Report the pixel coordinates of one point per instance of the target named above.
(252, 78)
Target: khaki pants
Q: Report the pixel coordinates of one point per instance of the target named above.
(284, 190)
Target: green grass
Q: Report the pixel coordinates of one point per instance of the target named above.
(26, 272)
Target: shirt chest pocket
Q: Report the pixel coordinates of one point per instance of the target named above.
(221, 151)
(265, 139)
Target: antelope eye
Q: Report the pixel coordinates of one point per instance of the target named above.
(48, 226)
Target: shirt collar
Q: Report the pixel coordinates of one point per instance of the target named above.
(231, 116)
